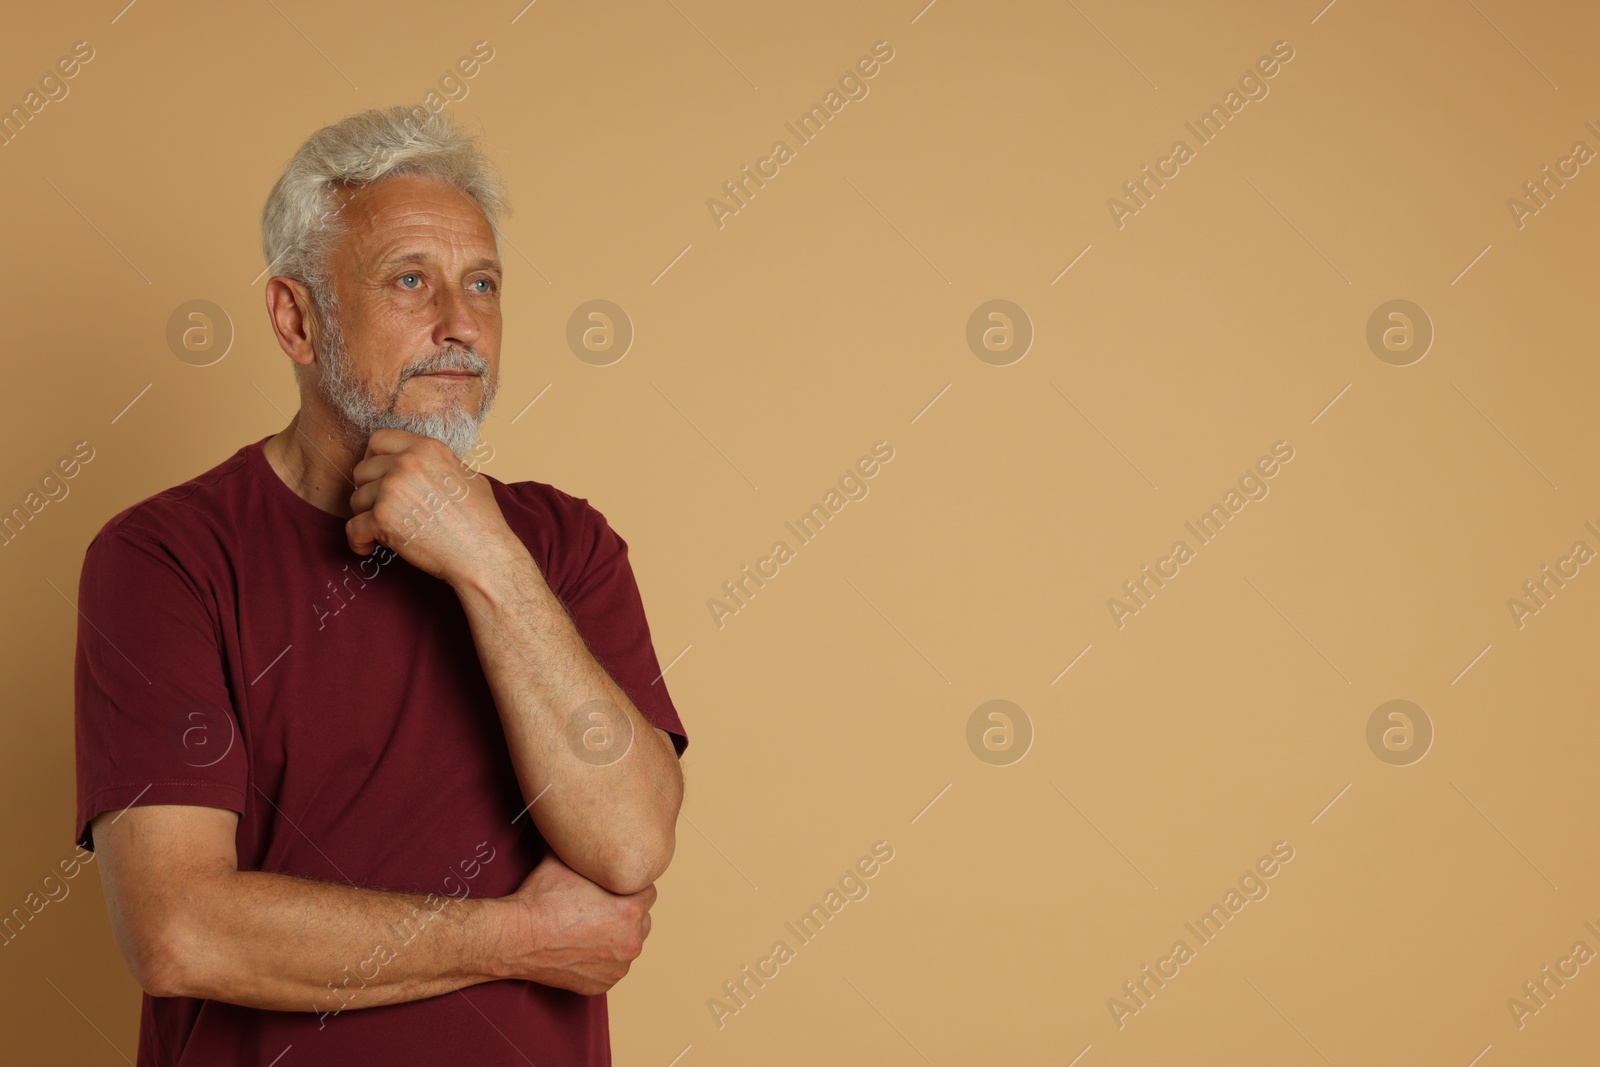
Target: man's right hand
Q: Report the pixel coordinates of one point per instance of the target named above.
(568, 932)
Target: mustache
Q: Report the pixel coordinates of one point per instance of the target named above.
(451, 358)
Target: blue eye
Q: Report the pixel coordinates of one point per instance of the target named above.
(403, 277)
(486, 281)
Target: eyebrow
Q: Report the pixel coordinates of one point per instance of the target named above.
(403, 258)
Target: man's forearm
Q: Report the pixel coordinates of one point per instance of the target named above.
(608, 813)
(275, 941)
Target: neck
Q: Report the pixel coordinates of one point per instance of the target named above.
(314, 460)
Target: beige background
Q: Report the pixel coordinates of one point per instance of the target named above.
(829, 314)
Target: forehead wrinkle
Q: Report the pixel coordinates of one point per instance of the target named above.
(405, 256)
(390, 216)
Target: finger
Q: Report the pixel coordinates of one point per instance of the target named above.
(362, 533)
(364, 498)
(389, 440)
(373, 467)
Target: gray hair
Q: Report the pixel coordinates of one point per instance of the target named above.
(301, 223)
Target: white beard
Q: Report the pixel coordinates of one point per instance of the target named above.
(360, 413)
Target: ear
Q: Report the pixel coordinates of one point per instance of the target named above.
(292, 313)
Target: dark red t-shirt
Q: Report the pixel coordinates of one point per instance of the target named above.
(234, 652)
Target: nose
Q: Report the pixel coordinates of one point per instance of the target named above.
(459, 323)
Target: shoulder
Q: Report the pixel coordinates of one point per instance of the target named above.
(187, 516)
(542, 500)
(539, 508)
(541, 503)
(566, 534)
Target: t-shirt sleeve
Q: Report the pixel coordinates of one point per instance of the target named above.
(154, 718)
(604, 601)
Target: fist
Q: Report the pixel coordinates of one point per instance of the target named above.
(571, 933)
(415, 497)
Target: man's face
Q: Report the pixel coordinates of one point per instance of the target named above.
(416, 341)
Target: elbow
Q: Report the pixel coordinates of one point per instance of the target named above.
(142, 938)
(642, 858)
(638, 867)
(164, 960)
(158, 964)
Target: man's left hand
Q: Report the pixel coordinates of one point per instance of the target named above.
(415, 497)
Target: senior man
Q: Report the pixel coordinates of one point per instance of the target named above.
(374, 748)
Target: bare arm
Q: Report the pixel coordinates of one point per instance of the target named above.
(607, 781)
(603, 784)
(189, 923)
